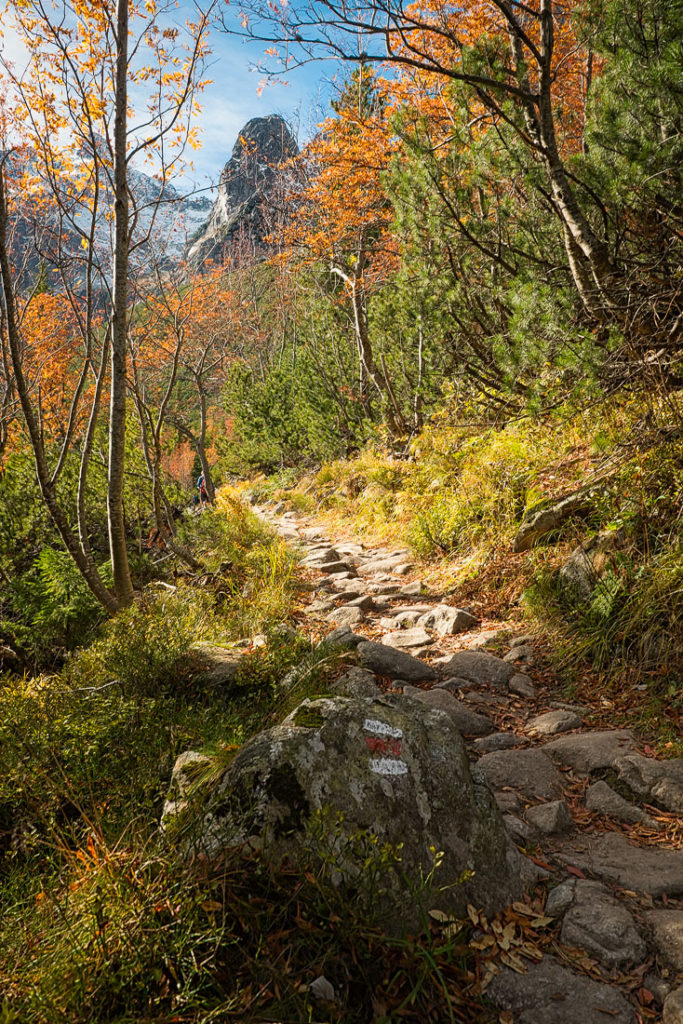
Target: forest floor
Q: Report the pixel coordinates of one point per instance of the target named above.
(585, 798)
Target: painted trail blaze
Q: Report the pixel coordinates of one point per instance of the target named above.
(387, 741)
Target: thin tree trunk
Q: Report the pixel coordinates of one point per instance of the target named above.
(82, 558)
(117, 418)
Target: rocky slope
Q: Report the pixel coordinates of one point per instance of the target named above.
(602, 937)
(246, 183)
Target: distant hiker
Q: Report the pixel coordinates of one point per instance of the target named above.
(203, 494)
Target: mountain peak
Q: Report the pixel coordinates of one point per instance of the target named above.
(245, 183)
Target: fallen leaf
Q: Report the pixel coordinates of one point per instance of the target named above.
(575, 871)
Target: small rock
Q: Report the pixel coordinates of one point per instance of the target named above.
(407, 618)
(595, 921)
(411, 589)
(521, 653)
(659, 781)
(364, 602)
(407, 638)
(550, 818)
(454, 683)
(529, 772)
(610, 856)
(319, 607)
(673, 1007)
(667, 932)
(518, 829)
(403, 569)
(322, 557)
(497, 741)
(322, 989)
(508, 803)
(591, 750)
(553, 722)
(337, 568)
(658, 986)
(469, 723)
(601, 799)
(521, 685)
(219, 664)
(345, 616)
(387, 661)
(357, 682)
(445, 620)
(480, 667)
(549, 993)
(342, 636)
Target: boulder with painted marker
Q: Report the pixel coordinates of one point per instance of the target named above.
(394, 770)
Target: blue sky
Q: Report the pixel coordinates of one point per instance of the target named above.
(232, 98)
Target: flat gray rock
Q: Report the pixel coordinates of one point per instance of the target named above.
(468, 722)
(522, 685)
(658, 781)
(445, 620)
(529, 772)
(550, 993)
(667, 932)
(335, 568)
(597, 922)
(589, 751)
(553, 722)
(345, 616)
(407, 618)
(522, 652)
(601, 799)
(497, 741)
(673, 1007)
(611, 857)
(219, 664)
(319, 607)
(411, 589)
(550, 818)
(357, 682)
(407, 638)
(387, 661)
(344, 637)
(362, 601)
(479, 667)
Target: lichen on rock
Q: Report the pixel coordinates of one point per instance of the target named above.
(394, 769)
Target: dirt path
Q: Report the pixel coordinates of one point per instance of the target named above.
(585, 803)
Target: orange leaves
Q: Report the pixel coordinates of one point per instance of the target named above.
(52, 340)
(341, 214)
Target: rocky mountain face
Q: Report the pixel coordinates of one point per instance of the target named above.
(165, 219)
(247, 180)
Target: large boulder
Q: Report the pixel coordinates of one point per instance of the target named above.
(394, 768)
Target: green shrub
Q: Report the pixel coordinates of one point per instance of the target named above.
(633, 619)
(146, 647)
